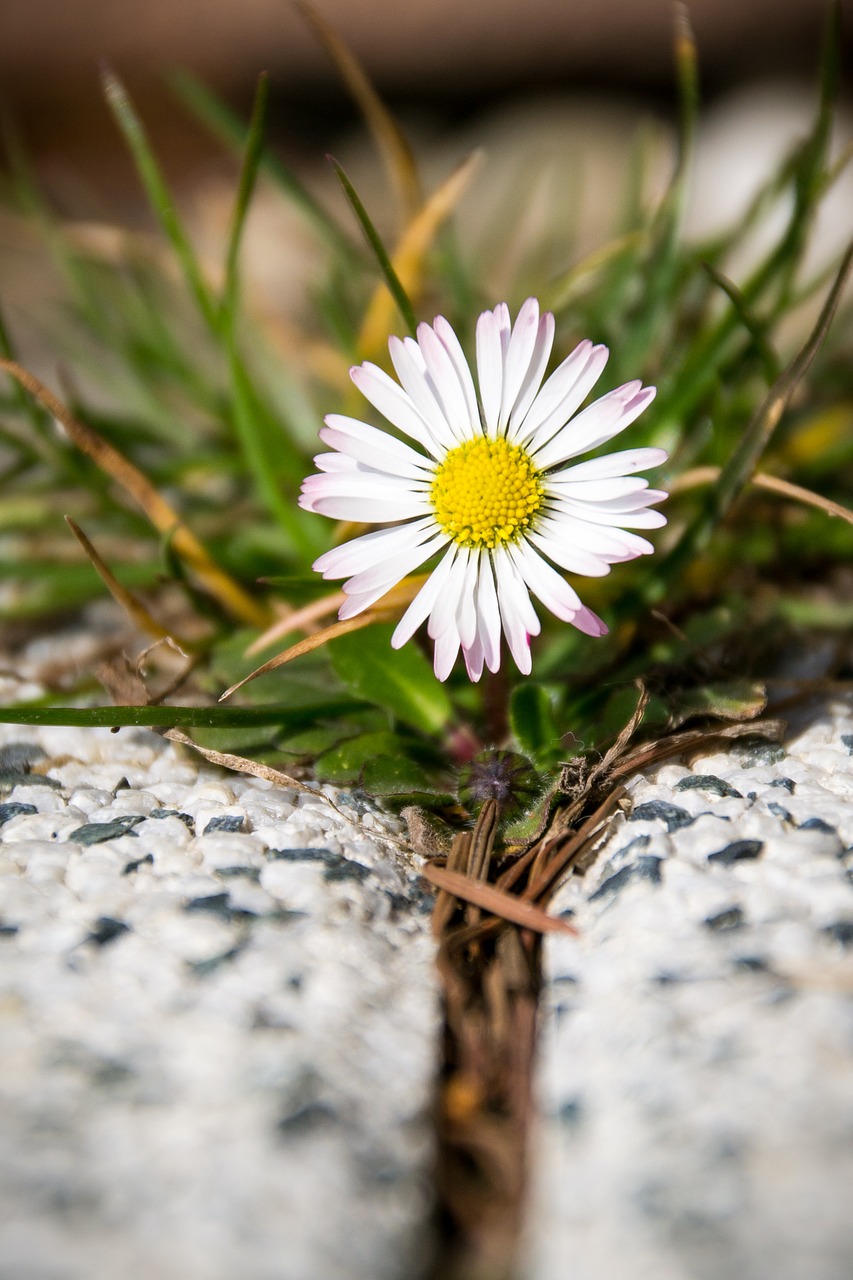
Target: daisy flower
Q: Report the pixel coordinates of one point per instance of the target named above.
(487, 488)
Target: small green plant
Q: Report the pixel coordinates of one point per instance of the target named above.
(184, 491)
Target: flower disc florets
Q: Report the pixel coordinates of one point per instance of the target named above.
(484, 486)
(486, 492)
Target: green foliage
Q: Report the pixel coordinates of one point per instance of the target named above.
(171, 365)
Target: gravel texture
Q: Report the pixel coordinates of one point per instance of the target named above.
(218, 1017)
(696, 1078)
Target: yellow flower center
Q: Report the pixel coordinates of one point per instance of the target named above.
(486, 492)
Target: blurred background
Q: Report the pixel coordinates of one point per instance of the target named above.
(441, 60)
(553, 93)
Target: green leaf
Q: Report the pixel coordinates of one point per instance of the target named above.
(531, 717)
(401, 680)
(732, 700)
(343, 763)
(401, 779)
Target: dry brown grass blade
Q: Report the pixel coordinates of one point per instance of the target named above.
(314, 641)
(164, 518)
(700, 476)
(297, 620)
(138, 613)
(239, 764)
(387, 134)
(408, 258)
(505, 905)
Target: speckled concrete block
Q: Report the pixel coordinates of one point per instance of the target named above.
(218, 1015)
(696, 1077)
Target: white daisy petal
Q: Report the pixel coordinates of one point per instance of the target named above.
(444, 611)
(383, 576)
(519, 354)
(474, 657)
(545, 583)
(408, 361)
(623, 463)
(571, 557)
(563, 393)
(335, 462)
(375, 448)
(444, 382)
(362, 510)
(446, 649)
(454, 349)
(466, 614)
(392, 402)
(615, 487)
(372, 548)
(488, 614)
(535, 373)
(600, 422)
(420, 608)
(610, 543)
(515, 611)
(493, 330)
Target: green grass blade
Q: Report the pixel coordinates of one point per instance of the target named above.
(245, 189)
(392, 280)
(230, 130)
(218, 717)
(744, 459)
(159, 195)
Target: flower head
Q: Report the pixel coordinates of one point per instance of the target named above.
(488, 489)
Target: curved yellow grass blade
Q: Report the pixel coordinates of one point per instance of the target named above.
(709, 475)
(164, 518)
(387, 134)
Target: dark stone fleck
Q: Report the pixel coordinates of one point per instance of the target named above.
(841, 931)
(614, 883)
(737, 851)
(568, 913)
(10, 778)
(818, 824)
(201, 968)
(8, 930)
(788, 783)
(671, 814)
(669, 978)
(215, 903)
(564, 979)
(335, 865)
(106, 929)
(648, 868)
(305, 1119)
(645, 868)
(346, 869)
(231, 873)
(19, 756)
(121, 785)
(759, 751)
(225, 822)
(147, 860)
(639, 842)
(13, 809)
(779, 811)
(97, 832)
(752, 796)
(708, 782)
(185, 818)
(847, 739)
(752, 964)
(571, 1112)
(730, 918)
